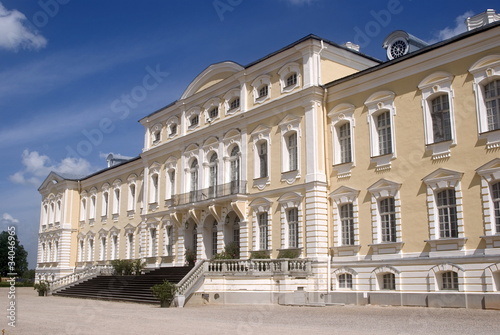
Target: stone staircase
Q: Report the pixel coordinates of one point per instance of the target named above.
(124, 288)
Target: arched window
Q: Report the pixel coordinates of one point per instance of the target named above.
(194, 180)
(236, 231)
(293, 227)
(212, 175)
(105, 203)
(449, 280)
(116, 201)
(345, 280)
(492, 101)
(235, 170)
(131, 197)
(262, 152)
(291, 144)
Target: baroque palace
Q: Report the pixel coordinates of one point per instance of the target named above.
(363, 182)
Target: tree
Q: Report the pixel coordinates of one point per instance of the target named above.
(12, 254)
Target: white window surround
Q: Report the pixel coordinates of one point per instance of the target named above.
(289, 125)
(155, 132)
(285, 72)
(84, 201)
(437, 181)
(170, 167)
(436, 279)
(377, 104)
(490, 175)
(485, 70)
(379, 191)
(131, 198)
(105, 201)
(261, 134)
(232, 139)
(154, 183)
(340, 115)
(228, 98)
(117, 196)
(208, 106)
(173, 121)
(258, 206)
(377, 277)
(92, 205)
(195, 111)
(257, 84)
(342, 196)
(341, 271)
(432, 86)
(288, 201)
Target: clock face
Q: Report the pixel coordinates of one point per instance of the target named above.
(398, 49)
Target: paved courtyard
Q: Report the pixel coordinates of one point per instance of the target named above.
(57, 315)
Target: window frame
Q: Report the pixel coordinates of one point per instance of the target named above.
(285, 72)
(257, 85)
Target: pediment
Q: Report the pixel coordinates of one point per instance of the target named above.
(490, 170)
(442, 174)
(344, 191)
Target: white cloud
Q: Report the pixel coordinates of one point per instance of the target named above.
(460, 27)
(7, 218)
(37, 167)
(15, 34)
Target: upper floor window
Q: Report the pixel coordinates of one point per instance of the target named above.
(388, 219)
(495, 195)
(213, 113)
(447, 211)
(492, 101)
(486, 72)
(292, 151)
(131, 197)
(156, 133)
(105, 203)
(212, 170)
(172, 130)
(291, 80)
(342, 127)
(154, 189)
(235, 169)
(347, 223)
(289, 77)
(263, 231)
(262, 152)
(384, 133)
(263, 91)
(83, 210)
(293, 227)
(261, 138)
(193, 180)
(234, 103)
(261, 88)
(92, 209)
(440, 114)
(194, 121)
(344, 134)
(116, 201)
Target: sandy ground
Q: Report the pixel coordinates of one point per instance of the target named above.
(58, 315)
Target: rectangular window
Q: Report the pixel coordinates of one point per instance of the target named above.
(291, 80)
(384, 133)
(347, 224)
(388, 220)
(292, 151)
(173, 130)
(388, 281)
(492, 100)
(105, 203)
(447, 209)
(131, 197)
(344, 134)
(152, 242)
(130, 246)
(170, 240)
(263, 159)
(293, 227)
(345, 280)
(116, 202)
(496, 204)
(213, 113)
(214, 240)
(263, 231)
(441, 123)
(450, 280)
(263, 91)
(235, 103)
(194, 121)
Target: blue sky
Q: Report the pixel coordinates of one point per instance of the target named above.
(77, 75)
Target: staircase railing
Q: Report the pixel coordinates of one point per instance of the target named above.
(260, 267)
(187, 285)
(81, 275)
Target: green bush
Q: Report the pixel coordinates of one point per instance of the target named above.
(42, 287)
(190, 257)
(289, 253)
(137, 266)
(231, 251)
(127, 267)
(164, 292)
(261, 254)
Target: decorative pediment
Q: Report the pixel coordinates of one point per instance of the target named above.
(260, 205)
(485, 63)
(290, 120)
(341, 109)
(344, 194)
(490, 171)
(129, 229)
(384, 188)
(103, 232)
(442, 178)
(435, 78)
(380, 99)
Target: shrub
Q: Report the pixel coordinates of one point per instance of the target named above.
(164, 292)
(289, 253)
(124, 267)
(231, 251)
(261, 254)
(42, 287)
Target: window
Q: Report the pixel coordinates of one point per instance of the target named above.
(170, 240)
(388, 281)
(214, 239)
(347, 224)
(90, 250)
(291, 80)
(235, 170)
(345, 280)
(172, 130)
(212, 183)
(194, 180)
(103, 249)
(344, 134)
(388, 220)
(83, 210)
(263, 91)
(152, 242)
(236, 231)
(486, 72)
(447, 209)
(114, 247)
(293, 227)
(193, 121)
(105, 203)
(449, 280)
(92, 207)
(156, 137)
(495, 195)
(171, 179)
(234, 103)
(131, 197)
(492, 101)
(80, 251)
(384, 133)
(263, 231)
(116, 201)
(262, 148)
(154, 189)
(381, 113)
(130, 245)
(292, 151)
(261, 88)
(441, 123)
(213, 113)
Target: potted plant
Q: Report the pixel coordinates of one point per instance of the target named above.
(42, 287)
(164, 292)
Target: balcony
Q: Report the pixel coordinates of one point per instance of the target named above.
(213, 192)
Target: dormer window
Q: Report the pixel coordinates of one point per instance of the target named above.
(235, 103)
(156, 133)
(291, 80)
(263, 91)
(172, 130)
(213, 113)
(194, 121)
